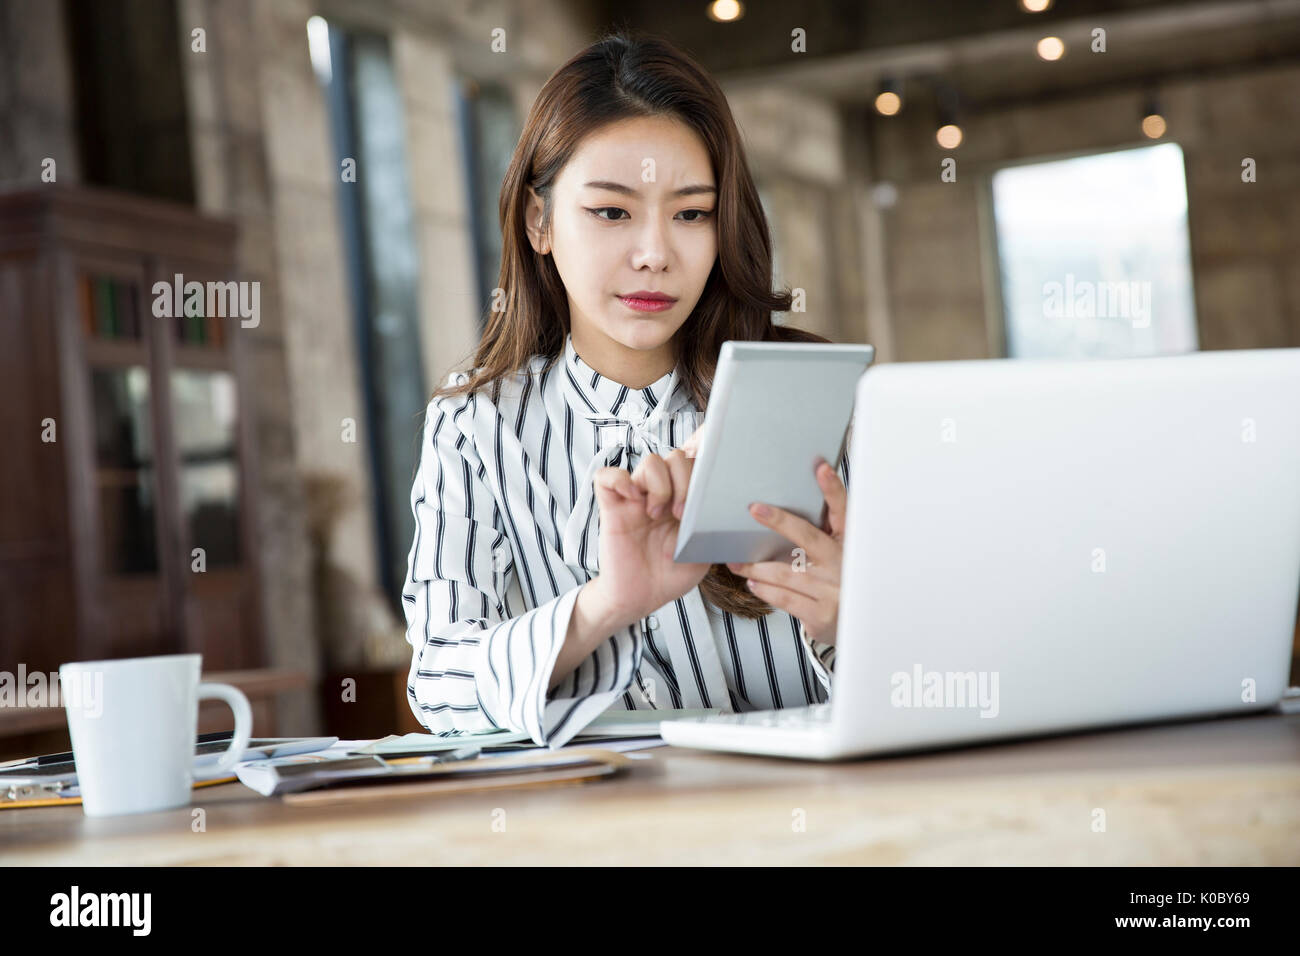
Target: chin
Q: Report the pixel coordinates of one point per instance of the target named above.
(644, 334)
(647, 331)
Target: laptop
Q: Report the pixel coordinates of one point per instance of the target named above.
(1039, 546)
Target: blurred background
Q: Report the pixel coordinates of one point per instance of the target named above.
(228, 473)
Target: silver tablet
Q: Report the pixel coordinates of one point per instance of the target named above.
(774, 407)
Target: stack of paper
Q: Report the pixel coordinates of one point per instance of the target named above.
(613, 730)
(401, 757)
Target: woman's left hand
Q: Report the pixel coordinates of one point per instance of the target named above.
(809, 589)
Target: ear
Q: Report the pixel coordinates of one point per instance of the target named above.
(533, 209)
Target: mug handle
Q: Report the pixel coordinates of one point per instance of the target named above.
(243, 720)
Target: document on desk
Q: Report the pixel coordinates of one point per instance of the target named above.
(313, 771)
(613, 730)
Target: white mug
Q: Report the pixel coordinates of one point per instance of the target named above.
(134, 723)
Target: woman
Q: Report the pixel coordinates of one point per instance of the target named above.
(541, 590)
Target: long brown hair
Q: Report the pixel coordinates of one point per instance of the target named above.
(626, 75)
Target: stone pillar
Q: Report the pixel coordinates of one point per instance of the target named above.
(37, 119)
(449, 298)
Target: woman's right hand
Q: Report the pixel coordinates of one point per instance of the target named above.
(640, 515)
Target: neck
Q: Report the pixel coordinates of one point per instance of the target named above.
(634, 368)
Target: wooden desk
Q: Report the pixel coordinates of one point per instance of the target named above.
(1220, 792)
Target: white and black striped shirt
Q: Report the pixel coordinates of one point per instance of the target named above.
(506, 531)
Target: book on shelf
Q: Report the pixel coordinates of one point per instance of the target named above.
(124, 305)
(86, 305)
(105, 312)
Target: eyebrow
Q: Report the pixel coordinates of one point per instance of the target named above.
(629, 191)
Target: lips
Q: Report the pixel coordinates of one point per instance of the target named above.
(645, 295)
(647, 301)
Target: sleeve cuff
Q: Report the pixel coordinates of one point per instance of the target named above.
(822, 657)
(518, 658)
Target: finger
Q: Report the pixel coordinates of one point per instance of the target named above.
(670, 546)
(691, 446)
(793, 528)
(679, 468)
(798, 605)
(652, 475)
(781, 573)
(836, 495)
(617, 481)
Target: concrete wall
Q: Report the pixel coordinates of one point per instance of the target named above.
(37, 118)
(795, 147)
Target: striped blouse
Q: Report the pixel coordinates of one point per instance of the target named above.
(506, 532)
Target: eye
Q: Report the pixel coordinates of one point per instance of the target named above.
(704, 214)
(700, 214)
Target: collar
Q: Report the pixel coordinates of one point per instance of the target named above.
(598, 396)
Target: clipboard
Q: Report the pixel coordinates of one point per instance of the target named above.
(295, 776)
(21, 801)
(562, 777)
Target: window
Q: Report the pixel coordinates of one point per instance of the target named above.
(1094, 255)
(125, 478)
(489, 130)
(204, 409)
(368, 124)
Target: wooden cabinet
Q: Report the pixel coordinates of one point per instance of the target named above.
(127, 474)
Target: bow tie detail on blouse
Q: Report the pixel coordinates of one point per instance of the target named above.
(622, 435)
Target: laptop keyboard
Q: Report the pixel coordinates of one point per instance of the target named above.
(815, 715)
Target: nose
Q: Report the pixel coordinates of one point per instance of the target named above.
(652, 245)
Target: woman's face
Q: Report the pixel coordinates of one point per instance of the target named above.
(649, 226)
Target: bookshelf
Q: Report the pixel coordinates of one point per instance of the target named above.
(127, 511)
